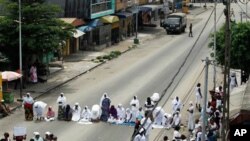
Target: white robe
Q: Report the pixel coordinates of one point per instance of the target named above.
(197, 96)
(139, 137)
(134, 108)
(176, 134)
(28, 100)
(86, 114)
(176, 120)
(61, 100)
(191, 117)
(76, 115)
(147, 126)
(95, 112)
(176, 105)
(158, 115)
(121, 113)
(38, 109)
(128, 115)
(39, 139)
(167, 120)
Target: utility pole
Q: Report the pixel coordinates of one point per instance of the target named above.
(214, 79)
(226, 90)
(136, 40)
(20, 49)
(204, 119)
(241, 16)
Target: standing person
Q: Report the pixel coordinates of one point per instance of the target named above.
(37, 137)
(33, 74)
(233, 81)
(140, 135)
(61, 101)
(6, 137)
(176, 104)
(50, 116)
(76, 115)
(147, 125)
(244, 77)
(190, 30)
(176, 120)
(149, 105)
(191, 116)
(198, 96)
(28, 107)
(105, 104)
(134, 103)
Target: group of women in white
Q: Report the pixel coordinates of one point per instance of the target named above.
(116, 114)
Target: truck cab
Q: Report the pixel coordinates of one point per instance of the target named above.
(175, 23)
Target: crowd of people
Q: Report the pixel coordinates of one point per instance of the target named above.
(144, 117)
(48, 136)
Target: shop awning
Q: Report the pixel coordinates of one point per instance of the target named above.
(153, 7)
(78, 33)
(95, 23)
(110, 19)
(85, 28)
(73, 21)
(123, 14)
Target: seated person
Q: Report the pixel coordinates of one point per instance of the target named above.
(50, 116)
(4, 110)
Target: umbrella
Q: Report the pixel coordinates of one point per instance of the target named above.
(10, 75)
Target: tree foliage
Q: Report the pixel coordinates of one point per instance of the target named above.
(42, 31)
(240, 49)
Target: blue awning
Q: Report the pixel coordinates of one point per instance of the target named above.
(95, 23)
(85, 28)
(123, 14)
(145, 9)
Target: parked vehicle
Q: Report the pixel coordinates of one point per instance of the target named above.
(175, 23)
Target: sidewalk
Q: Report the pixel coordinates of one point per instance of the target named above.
(81, 62)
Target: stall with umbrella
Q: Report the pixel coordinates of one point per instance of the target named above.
(8, 76)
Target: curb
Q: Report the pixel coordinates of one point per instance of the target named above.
(90, 69)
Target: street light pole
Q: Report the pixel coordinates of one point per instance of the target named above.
(136, 40)
(204, 118)
(20, 49)
(246, 10)
(214, 44)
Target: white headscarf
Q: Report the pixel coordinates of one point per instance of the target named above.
(103, 96)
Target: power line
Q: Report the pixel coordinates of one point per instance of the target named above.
(176, 74)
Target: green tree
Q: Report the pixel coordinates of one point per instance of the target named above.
(240, 49)
(42, 31)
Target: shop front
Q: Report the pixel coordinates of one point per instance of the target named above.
(86, 40)
(101, 34)
(126, 24)
(114, 22)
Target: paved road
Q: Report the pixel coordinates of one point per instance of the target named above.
(142, 71)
